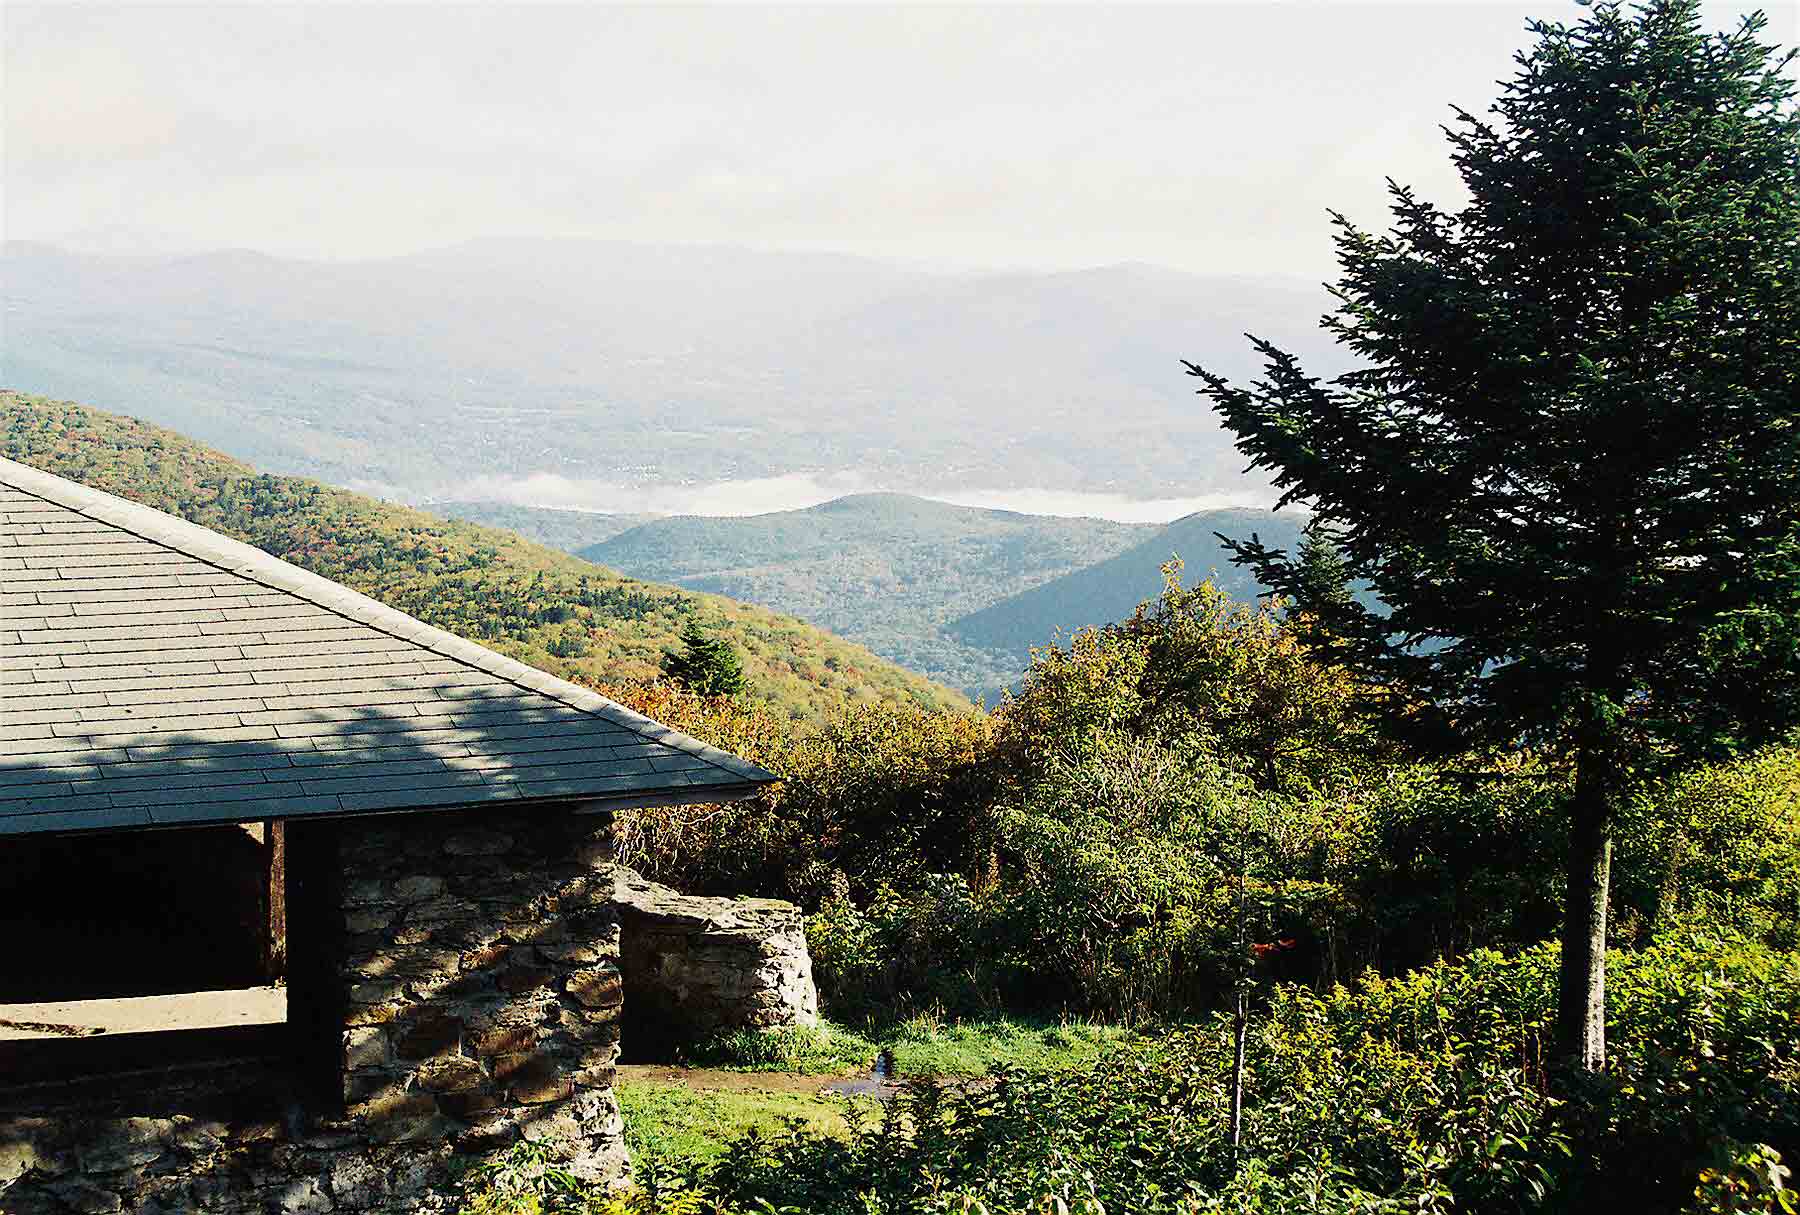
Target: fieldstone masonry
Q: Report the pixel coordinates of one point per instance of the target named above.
(480, 970)
(696, 966)
(457, 981)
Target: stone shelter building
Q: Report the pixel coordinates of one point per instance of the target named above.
(301, 899)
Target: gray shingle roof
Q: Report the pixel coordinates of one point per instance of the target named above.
(154, 673)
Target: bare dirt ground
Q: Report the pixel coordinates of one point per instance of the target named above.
(717, 1079)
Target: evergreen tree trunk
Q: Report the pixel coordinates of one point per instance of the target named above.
(1581, 1002)
(1240, 1031)
(1240, 1008)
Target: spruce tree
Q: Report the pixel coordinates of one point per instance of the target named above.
(705, 664)
(1569, 459)
(1322, 570)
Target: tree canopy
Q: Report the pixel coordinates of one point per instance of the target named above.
(1568, 462)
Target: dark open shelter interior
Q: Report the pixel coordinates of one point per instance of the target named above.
(144, 913)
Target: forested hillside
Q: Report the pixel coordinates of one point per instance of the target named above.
(885, 570)
(547, 608)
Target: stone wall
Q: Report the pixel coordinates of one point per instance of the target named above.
(480, 963)
(695, 966)
(454, 984)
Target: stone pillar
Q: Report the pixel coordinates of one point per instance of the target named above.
(696, 966)
(481, 988)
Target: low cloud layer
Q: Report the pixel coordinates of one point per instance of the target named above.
(798, 491)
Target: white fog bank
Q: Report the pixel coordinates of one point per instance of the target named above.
(1117, 507)
(797, 491)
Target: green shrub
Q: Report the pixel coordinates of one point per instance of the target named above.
(932, 946)
(1424, 1092)
(1431, 864)
(1746, 1178)
(1120, 866)
(1718, 846)
(877, 794)
(1193, 661)
(1420, 1093)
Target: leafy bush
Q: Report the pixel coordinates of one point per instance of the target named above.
(877, 794)
(1717, 846)
(1121, 862)
(931, 946)
(1746, 1178)
(1432, 863)
(1077, 851)
(1424, 1092)
(525, 1180)
(1193, 661)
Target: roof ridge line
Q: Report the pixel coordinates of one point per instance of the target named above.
(251, 563)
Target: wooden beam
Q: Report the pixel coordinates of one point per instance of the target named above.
(275, 939)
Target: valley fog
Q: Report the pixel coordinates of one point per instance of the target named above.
(798, 491)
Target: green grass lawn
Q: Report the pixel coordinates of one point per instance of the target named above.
(924, 1047)
(673, 1120)
(919, 1046)
(768, 1082)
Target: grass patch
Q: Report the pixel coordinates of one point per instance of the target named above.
(830, 1050)
(924, 1046)
(919, 1046)
(683, 1123)
(672, 1121)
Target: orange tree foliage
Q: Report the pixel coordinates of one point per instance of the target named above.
(878, 792)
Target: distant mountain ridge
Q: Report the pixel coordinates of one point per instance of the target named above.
(887, 570)
(489, 362)
(958, 593)
(567, 530)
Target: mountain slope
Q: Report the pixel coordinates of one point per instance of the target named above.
(557, 612)
(886, 570)
(1111, 590)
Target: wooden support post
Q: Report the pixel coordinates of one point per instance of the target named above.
(275, 950)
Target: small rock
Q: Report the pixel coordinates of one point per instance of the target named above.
(427, 1035)
(601, 987)
(419, 886)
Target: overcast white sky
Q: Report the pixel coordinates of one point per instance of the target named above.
(1210, 137)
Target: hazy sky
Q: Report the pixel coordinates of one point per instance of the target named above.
(1206, 137)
